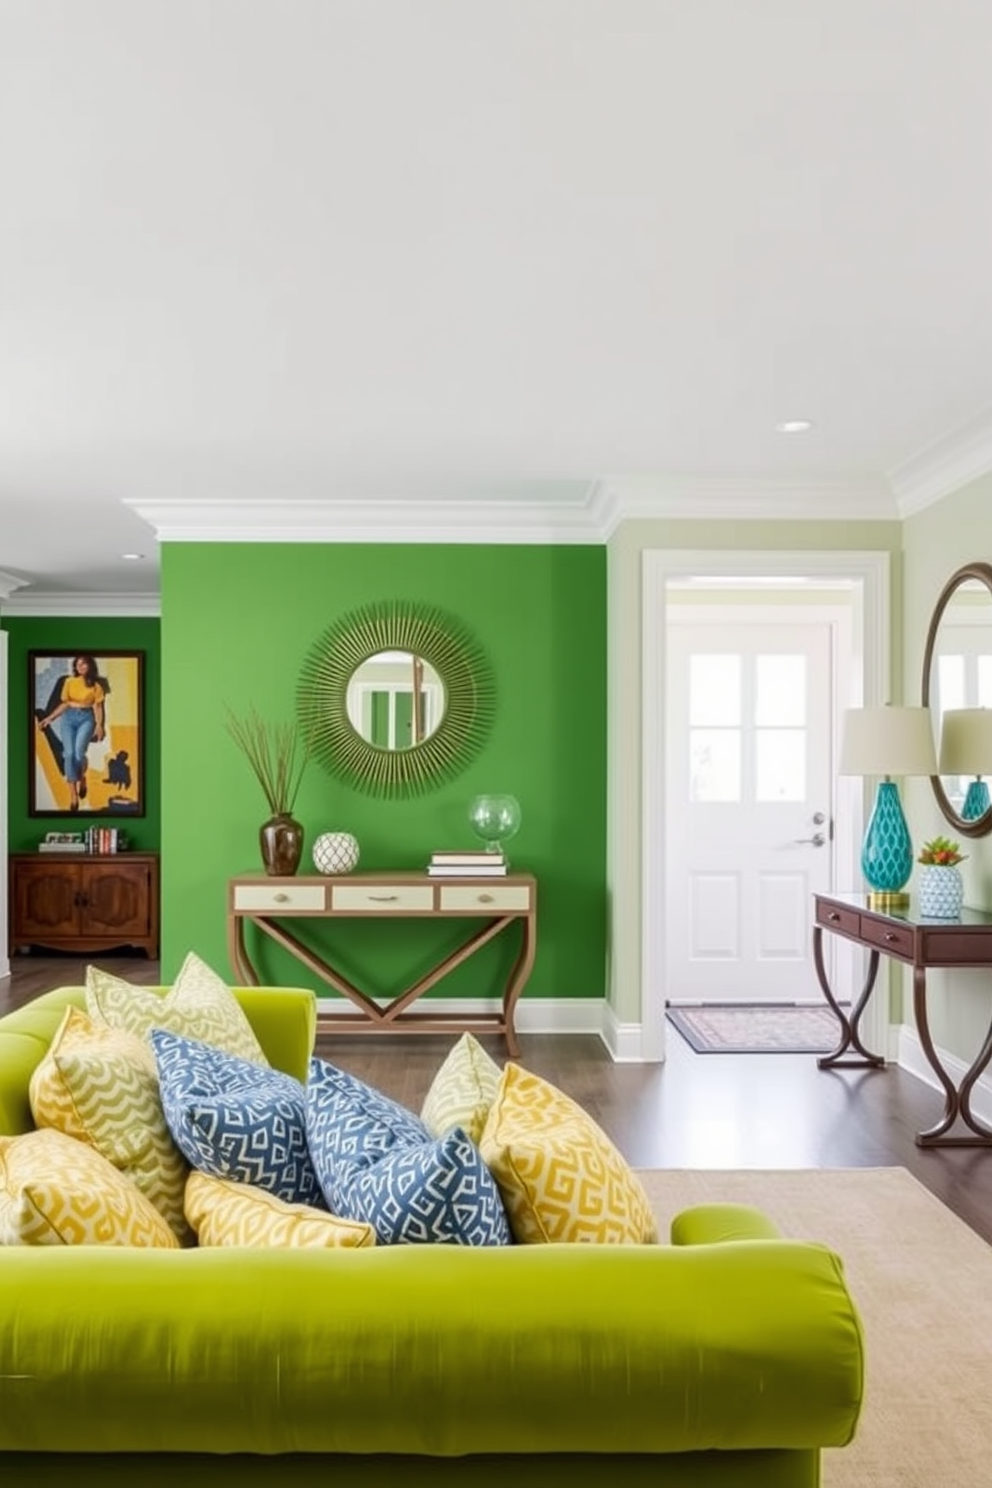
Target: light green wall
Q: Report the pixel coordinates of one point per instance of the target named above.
(237, 622)
(626, 550)
(937, 542)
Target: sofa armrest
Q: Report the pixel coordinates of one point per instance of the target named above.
(712, 1224)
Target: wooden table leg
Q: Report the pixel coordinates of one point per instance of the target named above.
(850, 1037)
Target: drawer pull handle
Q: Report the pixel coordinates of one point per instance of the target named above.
(833, 915)
(384, 898)
(485, 898)
(889, 935)
(281, 898)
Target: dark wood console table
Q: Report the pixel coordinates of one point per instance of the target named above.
(267, 903)
(919, 943)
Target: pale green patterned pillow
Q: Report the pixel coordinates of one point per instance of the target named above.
(224, 1212)
(462, 1091)
(57, 1191)
(198, 1005)
(100, 1085)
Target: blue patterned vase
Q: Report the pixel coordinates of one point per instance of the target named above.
(941, 891)
(887, 853)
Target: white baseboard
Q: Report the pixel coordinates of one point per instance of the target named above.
(912, 1058)
(533, 1014)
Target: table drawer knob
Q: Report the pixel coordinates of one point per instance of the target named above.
(889, 935)
(281, 898)
(383, 898)
(833, 915)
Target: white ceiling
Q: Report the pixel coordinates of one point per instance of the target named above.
(396, 263)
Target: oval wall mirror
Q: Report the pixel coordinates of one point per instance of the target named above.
(395, 698)
(957, 681)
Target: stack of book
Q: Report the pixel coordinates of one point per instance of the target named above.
(471, 863)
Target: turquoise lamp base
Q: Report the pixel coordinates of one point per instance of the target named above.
(887, 852)
(976, 802)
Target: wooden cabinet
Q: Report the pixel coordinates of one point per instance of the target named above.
(85, 903)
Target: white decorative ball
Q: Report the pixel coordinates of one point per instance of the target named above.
(335, 852)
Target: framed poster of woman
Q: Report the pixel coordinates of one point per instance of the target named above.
(86, 717)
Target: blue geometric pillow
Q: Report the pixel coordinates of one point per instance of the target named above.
(233, 1118)
(352, 1124)
(377, 1163)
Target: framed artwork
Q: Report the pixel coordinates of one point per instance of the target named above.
(86, 749)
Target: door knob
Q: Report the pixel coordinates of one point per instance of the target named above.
(817, 839)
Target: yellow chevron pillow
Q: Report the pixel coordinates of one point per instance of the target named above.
(100, 1085)
(57, 1191)
(224, 1212)
(462, 1091)
(560, 1176)
(198, 1005)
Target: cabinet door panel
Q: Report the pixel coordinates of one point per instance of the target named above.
(46, 900)
(116, 899)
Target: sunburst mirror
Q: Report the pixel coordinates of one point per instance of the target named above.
(395, 698)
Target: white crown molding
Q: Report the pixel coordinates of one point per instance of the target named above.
(530, 517)
(944, 466)
(108, 605)
(8, 583)
(619, 499)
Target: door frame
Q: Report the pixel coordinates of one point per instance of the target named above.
(868, 574)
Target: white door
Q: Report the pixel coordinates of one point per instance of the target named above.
(749, 830)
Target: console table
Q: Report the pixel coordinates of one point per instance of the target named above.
(920, 943)
(268, 903)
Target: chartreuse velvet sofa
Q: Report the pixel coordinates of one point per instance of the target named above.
(731, 1356)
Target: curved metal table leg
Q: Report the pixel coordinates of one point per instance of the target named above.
(957, 1101)
(850, 1037)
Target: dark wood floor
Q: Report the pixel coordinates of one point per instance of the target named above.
(692, 1111)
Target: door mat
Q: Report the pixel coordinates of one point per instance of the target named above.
(756, 1027)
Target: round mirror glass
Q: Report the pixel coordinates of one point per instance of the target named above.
(957, 683)
(395, 699)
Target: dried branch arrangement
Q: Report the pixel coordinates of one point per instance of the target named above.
(276, 754)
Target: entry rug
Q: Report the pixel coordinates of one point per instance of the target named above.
(756, 1027)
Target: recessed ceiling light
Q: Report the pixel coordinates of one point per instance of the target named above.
(793, 426)
(132, 557)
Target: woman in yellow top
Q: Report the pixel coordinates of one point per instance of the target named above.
(81, 715)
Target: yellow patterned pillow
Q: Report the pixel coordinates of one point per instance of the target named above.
(560, 1176)
(198, 1005)
(224, 1212)
(100, 1085)
(462, 1091)
(57, 1191)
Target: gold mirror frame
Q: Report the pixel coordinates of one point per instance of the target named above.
(982, 573)
(469, 698)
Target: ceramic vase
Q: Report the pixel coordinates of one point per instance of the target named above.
(941, 891)
(335, 852)
(281, 842)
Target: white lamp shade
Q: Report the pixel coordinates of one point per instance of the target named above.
(966, 742)
(888, 741)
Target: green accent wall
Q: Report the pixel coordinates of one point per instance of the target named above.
(238, 620)
(75, 635)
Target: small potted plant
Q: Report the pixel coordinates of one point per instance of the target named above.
(940, 887)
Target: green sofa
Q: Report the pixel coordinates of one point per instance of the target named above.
(731, 1357)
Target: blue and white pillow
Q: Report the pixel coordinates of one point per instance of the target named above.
(236, 1119)
(377, 1163)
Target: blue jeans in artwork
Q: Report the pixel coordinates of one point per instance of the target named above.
(78, 725)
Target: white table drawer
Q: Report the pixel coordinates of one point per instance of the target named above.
(381, 898)
(489, 898)
(276, 897)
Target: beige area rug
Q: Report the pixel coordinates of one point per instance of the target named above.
(922, 1281)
